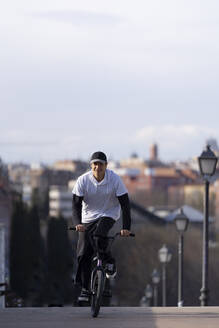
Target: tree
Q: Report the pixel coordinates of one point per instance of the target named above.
(35, 258)
(26, 254)
(59, 252)
(136, 258)
(40, 200)
(19, 265)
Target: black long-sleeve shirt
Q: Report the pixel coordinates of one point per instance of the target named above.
(124, 203)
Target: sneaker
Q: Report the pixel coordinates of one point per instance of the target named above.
(84, 296)
(110, 269)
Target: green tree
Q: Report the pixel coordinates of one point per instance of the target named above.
(41, 201)
(35, 258)
(59, 252)
(19, 265)
(26, 254)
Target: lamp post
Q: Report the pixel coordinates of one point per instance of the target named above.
(155, 279)
(164, 257)
(143, 301)
(207, 165)
(148, 294)
(181, 222)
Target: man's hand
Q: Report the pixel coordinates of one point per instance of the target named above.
(80, 228)
(125, 233)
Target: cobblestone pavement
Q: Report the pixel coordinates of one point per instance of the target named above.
(110, 317)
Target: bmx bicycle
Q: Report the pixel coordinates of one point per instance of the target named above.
(98, 277)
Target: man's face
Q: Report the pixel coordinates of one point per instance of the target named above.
(98, 169)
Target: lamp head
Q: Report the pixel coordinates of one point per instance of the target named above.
(181, 221)
(207, 162)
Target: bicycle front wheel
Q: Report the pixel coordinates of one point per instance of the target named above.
(97, 286)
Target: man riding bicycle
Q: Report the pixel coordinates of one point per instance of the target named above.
(98, 196)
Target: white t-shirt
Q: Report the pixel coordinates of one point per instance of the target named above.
(99, 198)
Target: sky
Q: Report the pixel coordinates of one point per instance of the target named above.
(117, 76)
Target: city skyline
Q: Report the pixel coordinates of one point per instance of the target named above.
(80, 77)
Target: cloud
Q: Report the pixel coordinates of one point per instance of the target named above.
(176, 141)
(23, 139)
(39, 146)
(79, 17)
(178, 132)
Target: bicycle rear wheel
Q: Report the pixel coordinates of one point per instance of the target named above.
(97, 286)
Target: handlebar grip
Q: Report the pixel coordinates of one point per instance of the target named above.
(131, 234)
(72, 228)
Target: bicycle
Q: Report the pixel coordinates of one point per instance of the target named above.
(98, 278)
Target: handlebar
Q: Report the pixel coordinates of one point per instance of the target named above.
(71, 228)
(130, 235)
(117, 234)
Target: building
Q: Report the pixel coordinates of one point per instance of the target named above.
(19, 175)
(5, 216)
(152, 174)
(25, 178)
(60, 202)
(192, 214)
(134, 162)
(76, 166)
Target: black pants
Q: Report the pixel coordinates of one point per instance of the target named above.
(87, 242)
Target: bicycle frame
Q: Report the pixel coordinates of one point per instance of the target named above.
(98, 278)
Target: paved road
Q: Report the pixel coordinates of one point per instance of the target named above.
(110, 317)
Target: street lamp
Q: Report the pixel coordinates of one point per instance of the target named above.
(143, 301)
(164, 257)
(181, 222)
(146, 299)
(155, 279)
(148, 294)
(207, 165)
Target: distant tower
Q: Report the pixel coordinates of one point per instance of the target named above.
(154, 152)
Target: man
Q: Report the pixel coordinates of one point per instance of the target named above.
(98, 196)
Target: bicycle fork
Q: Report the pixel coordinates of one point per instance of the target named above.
(98, 267)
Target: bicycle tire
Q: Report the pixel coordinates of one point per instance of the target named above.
(97, 287)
